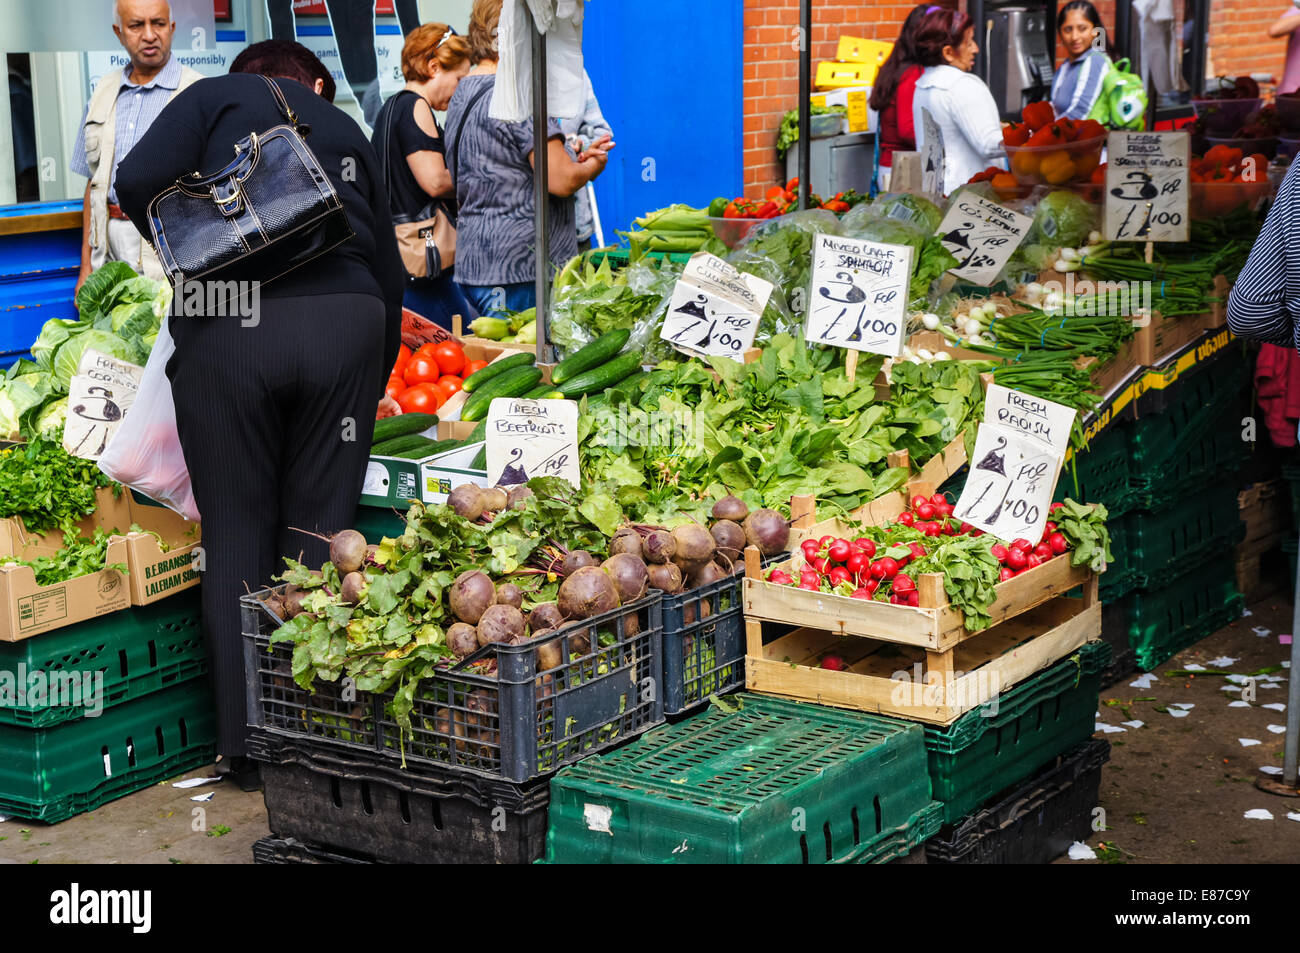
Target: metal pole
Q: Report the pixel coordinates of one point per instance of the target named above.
(805, 102)
(1292, 747)
(1200, 37)
(541, 195)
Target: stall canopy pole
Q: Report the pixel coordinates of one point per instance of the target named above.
(1290, 768)
(1200, 38)
(805, 101)
(541, 195)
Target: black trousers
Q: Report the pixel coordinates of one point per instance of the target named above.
(275, 420)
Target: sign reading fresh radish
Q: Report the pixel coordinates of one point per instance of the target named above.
(1147, 190)
(714, 310)
(1037, 418)
(859, 294)
(1011, 482)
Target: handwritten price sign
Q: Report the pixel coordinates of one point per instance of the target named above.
(982, 235)
(714, 309)
(931, 155)
(858, 294)
(1147, 187)
(531, 438)
(1010, 487)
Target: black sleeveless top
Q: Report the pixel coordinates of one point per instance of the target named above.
(397, 121)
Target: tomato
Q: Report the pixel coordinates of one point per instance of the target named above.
(452, 380)
(420, 399)
(422, 369)
(447, 388)
(426, 349)
(450, 357)
(775, 194)
(395, 386)
(403, 357)
(472, 367)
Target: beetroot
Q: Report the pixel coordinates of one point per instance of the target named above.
(694, 546)
(353, 588)
(729, 538)
(500, 623)
(471, 594)
(731, 508)
(629, 575)
(576, 560)
(515, 498)
(467, 501)
(665, 577)
(768, 530)
(545, 616)
(625, 540)
(707, 574)
(347, 551)
(462, 639)
(508, 594)
(587, 592)
(658, 546)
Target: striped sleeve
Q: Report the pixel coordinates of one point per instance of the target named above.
(1263, 299)
(1087, 85)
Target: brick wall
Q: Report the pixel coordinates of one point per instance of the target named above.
(1239, 44)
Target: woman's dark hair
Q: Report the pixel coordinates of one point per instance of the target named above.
(941, 28)
(288, 59)
(900, 58)
(1090, 14)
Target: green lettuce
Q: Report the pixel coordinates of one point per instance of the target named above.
(68, 357)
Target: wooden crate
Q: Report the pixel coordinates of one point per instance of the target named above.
(458, 329)
(1265, 509)
(887, 678)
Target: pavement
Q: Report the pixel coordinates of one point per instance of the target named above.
(1178, 788)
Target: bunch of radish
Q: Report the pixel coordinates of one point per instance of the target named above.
(1022, 555)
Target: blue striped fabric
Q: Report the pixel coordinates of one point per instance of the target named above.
(137, 107)
(1265, 299)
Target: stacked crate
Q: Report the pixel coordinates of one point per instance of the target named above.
(101, 709)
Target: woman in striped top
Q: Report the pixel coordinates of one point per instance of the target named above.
(1265, 299)
(1078, 82)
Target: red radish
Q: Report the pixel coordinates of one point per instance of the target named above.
(860, 593)
(810, 586)
(999, 552)
(1023, 544)
(780, 577)
(897, 600)
(890, 569)
(809, 575)
(948, 528)
(914, 599)
(926, 511)
(1034, 561)
(840, 550)
(857, 562)
(934, 529)
(867, 546)
(838, 575)
(1054, 507)
(918, 501)
(938, 498)
(903, 583)
(917, 550)
(943, 509)
(1016, 558)
(820, 563)
(907, 519)
(1059, 543)
(871, 585)
(810, 548)
(1050, 528)
(877, 570)
(1005, 573)
(834, 663)
(967, 528)
(825, 541)
(1043, 551)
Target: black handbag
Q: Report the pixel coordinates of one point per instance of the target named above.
(270, 210)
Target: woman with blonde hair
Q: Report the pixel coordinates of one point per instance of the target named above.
(411, 148)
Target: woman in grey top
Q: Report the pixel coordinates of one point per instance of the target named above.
(1079, 80)
(493, 173)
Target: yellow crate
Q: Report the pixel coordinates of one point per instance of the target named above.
(837, 75)
(854, 49)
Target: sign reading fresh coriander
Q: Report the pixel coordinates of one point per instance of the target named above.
(1147, 187)
(858, 298)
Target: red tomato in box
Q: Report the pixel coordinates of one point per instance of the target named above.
(450, 357)
(423, 398)
(422, 369)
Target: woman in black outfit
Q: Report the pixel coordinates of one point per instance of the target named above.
(275, 412)
(408, 140)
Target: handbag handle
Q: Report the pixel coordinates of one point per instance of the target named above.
(194, 180)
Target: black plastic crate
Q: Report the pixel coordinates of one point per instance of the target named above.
(282, 850)
(1114, 632)
(516, 725)
(1033, 823)
(1207, 383)
(365, 807)
(704, 644)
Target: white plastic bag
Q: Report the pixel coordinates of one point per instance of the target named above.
(561, 22)
(145, 453)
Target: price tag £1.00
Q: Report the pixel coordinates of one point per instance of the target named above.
(982, 235)
(858, 298)
(1147, 187)
(1009, 490)
(714, 309)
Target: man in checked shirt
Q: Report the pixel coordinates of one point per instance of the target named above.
(120, 110)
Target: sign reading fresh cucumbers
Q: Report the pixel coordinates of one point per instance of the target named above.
(1147, 176)
(532, 438)
(714, 309)
(858, 298)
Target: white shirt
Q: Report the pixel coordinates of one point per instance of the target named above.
(967, 116)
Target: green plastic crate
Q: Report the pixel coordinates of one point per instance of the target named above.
(890, 846)
(1100, 473)
(1204, 398)
(102, 662)
(981, 753)
(1120, 576)
(1167, 620)
(771, 781)
(1160, 545)
(51, 774)
(622, 257)
(1204, 462)
(376, 522)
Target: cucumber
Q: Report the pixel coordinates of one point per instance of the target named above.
(480, 461)
(611, 373)
(513, 383)
(399, 446)
(541, 390)
(590, 355)
(496, 368)
(419, 453)
(402, 425)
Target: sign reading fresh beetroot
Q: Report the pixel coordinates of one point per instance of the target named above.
(1147, 190)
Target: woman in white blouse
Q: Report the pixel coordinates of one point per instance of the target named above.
(958, 101)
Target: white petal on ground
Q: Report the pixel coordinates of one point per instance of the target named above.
(1292, 816)
(1193, 667)
(1277, 729)
(1185, 706)
(1108, 729)
(1259, 814)
(1223, 661)
(1247, 742)
(1133, 724)
(1239, 704)
(1143, 681)
(1269, 769)
(1262, 631)
(1275, 706)
(1081, 851)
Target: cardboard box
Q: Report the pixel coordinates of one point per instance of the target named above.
(27, 609)
(441, 474)
(1161, 337)
(450, 426)
(154, 574)
(860, 118)
(1265, 509)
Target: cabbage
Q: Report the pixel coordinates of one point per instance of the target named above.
(1063, 219)
(68, 357)
(97, 296)
(906, 207)
(51, 417)
(52, 337)
(16, 398)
